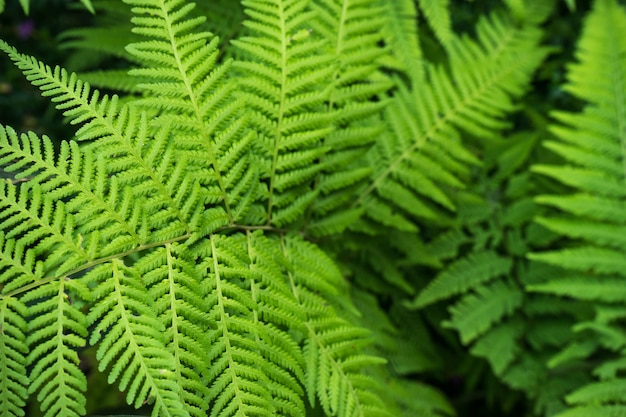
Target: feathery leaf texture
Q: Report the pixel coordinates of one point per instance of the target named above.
(13, 357)
(56, 327)
(352, 30)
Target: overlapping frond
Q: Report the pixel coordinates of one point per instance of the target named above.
(138, 157)
(437, 14)
(42, 239)
(252, 363)
(101, 208)
(174, 283)
(400, 32)
(177, 220)
(332, 348)
(464, 275)
(421, 157)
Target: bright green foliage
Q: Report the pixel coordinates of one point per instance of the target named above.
(304, 215)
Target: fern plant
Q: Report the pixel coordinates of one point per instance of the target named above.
(322, 211)
(169, 238)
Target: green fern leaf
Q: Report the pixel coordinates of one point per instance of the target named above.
(13, 351)
(588, 206)
(589, 212)
(332, 345)
(132, 340)
(352, 30)
(575, 350)
(400, 31)
(476, 313)
(44, 232)
(284, 79)
(57, 328)
(237, 343)
(499, 345)
(595, 411)
(174, 284)
(606, 289)
(586, 258)
(181, 68)
(437, 15)
(149, 167)
(77, 177)
(463, 275)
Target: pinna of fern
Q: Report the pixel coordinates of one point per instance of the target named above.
(589, 213)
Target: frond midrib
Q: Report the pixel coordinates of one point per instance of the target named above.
(91, 264)
(281, 110)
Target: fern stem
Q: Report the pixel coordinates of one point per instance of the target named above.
(224, 319)
(91, 264)
(281, 110)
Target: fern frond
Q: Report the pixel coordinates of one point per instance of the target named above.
(595, 411)
(586, 258)
(174, 284)
(352, 30)
(437, 14)
(42, 231)
(332, 348)
(500, 345)
(247, 374)
(589, 212)
(149, 167)
(464, 275)
(13, 357)
(57, 328)
(423, 151)
(285, 77)
(476, 313)
(400, 31)
(132, 340)
(180, 64)
(612, 391)
(79, 178)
